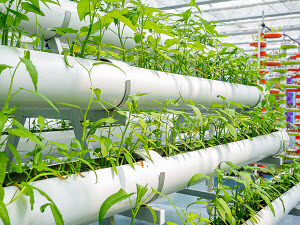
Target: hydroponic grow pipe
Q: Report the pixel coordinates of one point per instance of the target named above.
(61, 83)
(282, 206)
(79, 198)
(66, 16)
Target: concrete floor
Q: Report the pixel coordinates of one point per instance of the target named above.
(181, 201)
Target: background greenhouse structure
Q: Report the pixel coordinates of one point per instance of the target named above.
(177, 112)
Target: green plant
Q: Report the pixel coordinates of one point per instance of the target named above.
(237, 203)
(12, 13)
(180, 47)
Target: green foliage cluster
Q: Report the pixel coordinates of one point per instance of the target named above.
(191, 48)
(235, 203)
(148, 38)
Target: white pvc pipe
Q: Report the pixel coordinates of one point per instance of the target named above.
(290, 199)
(60, 83)
(57, 15)
(79, 198)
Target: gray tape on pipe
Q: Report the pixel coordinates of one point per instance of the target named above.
(66, 22)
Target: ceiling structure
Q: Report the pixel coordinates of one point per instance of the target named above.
(239, 19)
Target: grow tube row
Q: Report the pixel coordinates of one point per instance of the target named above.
(167, 174)
(61, 83)
(65, 15)
(282, 206)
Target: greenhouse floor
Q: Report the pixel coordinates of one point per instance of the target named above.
(181, 201)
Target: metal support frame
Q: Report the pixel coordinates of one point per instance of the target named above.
(73, 115)
(55, 45)
(206, 2)
(295, 212)
(274, 160)
(201, 194)
(109, 221)
(257, 17)
(234, 33)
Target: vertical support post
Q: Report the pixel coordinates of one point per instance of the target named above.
(55, 44)
(109, 221)
(78, 129)
(210, 187)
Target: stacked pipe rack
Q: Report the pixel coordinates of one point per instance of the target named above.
(60, 83)
(284, 75)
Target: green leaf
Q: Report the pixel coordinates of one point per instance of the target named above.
(110, 201)
(55, 211)
(97, 92)
(197, 112)
(89, 165)
(66, 53)
(154, 217)
(31, 70)
(43, 207)
(24, 133)
(3, 163)
(41, 122)
(29, 192)
(100, 122)
(83, 8)
(197, 203)
(129, 159)
(16, 155)
(192, 216)
(269, 203)
(35, 3)
(113, 1)
(60, 145)
(4, 67)
(105, 144)
(107, 63)
(142, 123)
(31, 8)
(4, 214)
(216, 105)
(68, 104)
(117, 15)
(230, 164)
(42, 96)
(226, 208)
(18, 14)
(192, 3)
(197, 177)
(65, 30)
(171, 42)
(2, 193)
(232, 131)
(228, 45)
